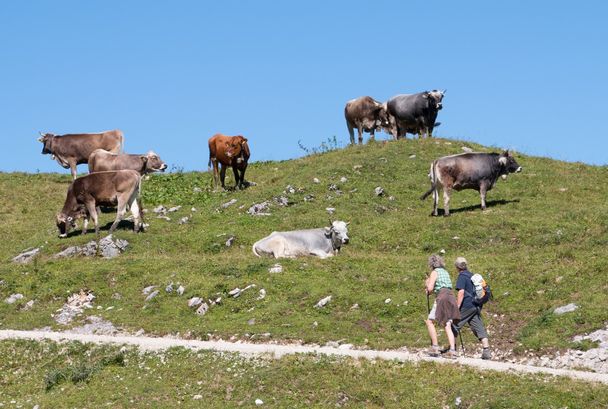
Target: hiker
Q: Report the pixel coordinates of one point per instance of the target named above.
(469, 312)
(445, 309)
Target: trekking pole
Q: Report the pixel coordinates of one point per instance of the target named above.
(428, 303)
(461, 343)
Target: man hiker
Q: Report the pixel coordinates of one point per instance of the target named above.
(469, 313)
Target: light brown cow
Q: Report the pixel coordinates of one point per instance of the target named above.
(102, 160)
(116, 188)
(367, 115)
(74, 149)
(229, 151)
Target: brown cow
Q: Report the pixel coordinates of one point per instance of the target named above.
(229, 151)
(73, 149)
(116, 188)
(367, 115)
(102, 160)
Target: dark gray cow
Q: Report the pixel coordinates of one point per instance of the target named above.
(415, 113)
(478, 171)
(367, 115)
(102, 160)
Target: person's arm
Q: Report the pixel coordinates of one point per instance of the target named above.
(430, 282)
(460, 298)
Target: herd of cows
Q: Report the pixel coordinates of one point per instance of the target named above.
(114, 178)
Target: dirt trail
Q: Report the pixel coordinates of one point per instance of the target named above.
(157, 344)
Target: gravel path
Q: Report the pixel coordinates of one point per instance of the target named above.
(156, 344)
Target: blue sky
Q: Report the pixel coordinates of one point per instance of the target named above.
(524, 75)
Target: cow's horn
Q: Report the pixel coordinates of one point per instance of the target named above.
(347, 223)
(444, 91)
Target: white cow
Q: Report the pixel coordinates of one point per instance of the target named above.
(324, 242)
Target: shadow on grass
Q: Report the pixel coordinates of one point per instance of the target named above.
(489, 204)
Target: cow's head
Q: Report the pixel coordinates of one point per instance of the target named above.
(338, 232)
(508, 163)
(234, 146)
(153, 162)
(46, 139)
(382, 116)
(64, 224)
(435, 98)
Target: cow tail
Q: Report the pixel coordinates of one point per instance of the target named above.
(433, 177)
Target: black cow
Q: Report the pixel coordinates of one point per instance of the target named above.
(367, 115)
(474, 170)
(415, 113)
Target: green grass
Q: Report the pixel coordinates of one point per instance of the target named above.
(540, 244)
(131, 379)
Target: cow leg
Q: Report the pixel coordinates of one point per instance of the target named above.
(372, 135)
(73, 169)
(216, 173)
(482, 193)
(446, 201)
(85, 224)
(351, 132)
(223, 176)
(136, 211)
(237, 178)
(360, 132)
(92, 210)
(120, 214)
(243, 183)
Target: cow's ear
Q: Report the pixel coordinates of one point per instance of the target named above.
(502, 160)
(144, 158)
(425, 95)
(244, 140)
(328, 231)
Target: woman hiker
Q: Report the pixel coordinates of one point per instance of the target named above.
(445, 308)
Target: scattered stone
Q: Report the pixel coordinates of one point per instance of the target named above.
(315, 180)
(355, 306)
(330, 210)
(13, 298)
(139, 332)
(174, 209)
(346, 346)
(193, 210)
(116, 296)
(202, 310)
(169, 288)
(148, 289)
(442, 251)
(323, 302)
(152, 295)
(262, 295)
(75, 305)
(237, 291)
(197, 397)
(413, 156)
(108, 248)
(333, 187)
(197, 189)
(343, 180)
(357, 167)
(391, 198)
(230, 240)
(160, 209)
(289, 189)
(167, 218)
(229, 203)
(566, 308)
(309, 198)
(458, 399)
(259, 402)
(387, 301)
(277, 268)
(26, 256)
(282, 201)
(96, 325)
(379, 191)
(467, 149)
(194, 302)
(251, 321)
(562, 189)
(184, 220)
(259, 209)
(28, 305)
(180, 290)
(455, 238)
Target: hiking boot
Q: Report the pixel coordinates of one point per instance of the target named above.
(451, 354)
(433, 351)
(486, 354)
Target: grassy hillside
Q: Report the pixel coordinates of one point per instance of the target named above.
(74, 375)
(541, 244)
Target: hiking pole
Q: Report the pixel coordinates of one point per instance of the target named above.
(428, 303)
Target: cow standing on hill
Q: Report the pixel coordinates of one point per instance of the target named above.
(478, 171)
(367, 115)
(229, 151)
(102, 160)
(415, 113)
(73, 149)
(114, 189)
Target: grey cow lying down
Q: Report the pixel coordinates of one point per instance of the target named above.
(324, 242)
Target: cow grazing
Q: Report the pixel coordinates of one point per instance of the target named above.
(102, 160)
(116, 188)
(323, 242)
(229, 151)
(73, 149)
(367, 115)
(415, 113)
(478, 171)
